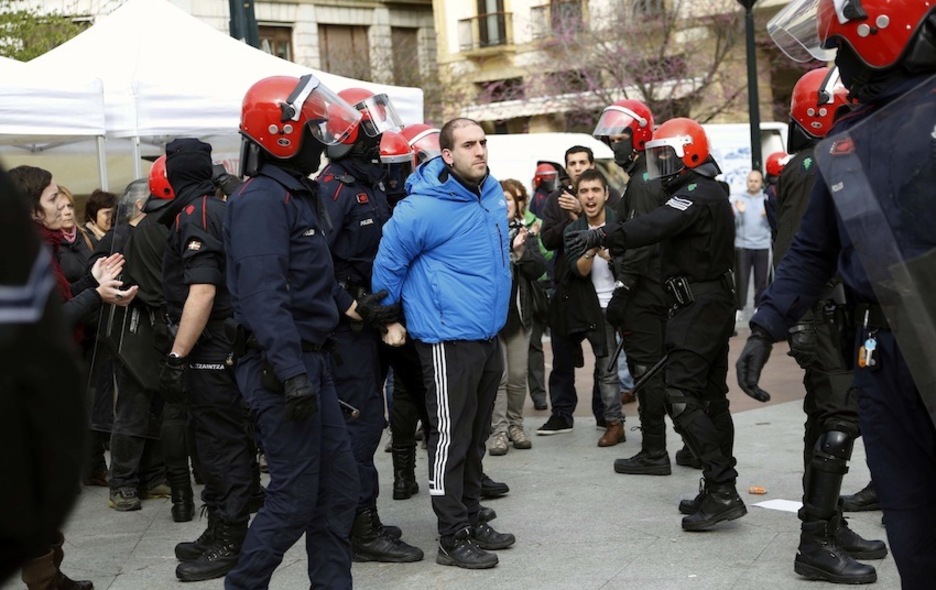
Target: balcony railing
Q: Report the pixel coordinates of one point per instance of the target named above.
(562, 17)
(493, 29)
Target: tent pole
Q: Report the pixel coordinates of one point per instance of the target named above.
(102, 162)
(135, 151)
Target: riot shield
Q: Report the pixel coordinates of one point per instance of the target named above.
(881, 174)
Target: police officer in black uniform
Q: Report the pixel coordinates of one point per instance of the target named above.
(354, 195)
(638, 306)
(828, 547)
(695, 229)
(283, 290)
(195, 370)
(875, 175)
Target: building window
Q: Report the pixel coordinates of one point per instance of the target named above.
(406, 70)
(490, 28)
(345, 51)
(276, 41)
(558, 17)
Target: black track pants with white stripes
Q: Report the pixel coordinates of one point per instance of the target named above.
(461, 383)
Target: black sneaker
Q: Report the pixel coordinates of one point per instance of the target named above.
(487, 538)
(555, 425)
(462, 551)
(491, 488)
(124, 500)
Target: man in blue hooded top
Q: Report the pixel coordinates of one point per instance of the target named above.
(444, 254)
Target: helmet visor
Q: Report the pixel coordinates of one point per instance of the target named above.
(426, 145)
(795, 30)
(663, 161)
(615, 120)
(328, 116)
(378, 115)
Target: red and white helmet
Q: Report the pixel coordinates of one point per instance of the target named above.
(159, 185)
(546, 175)
(394, 149)
(775, 163)
(424, 140)
(623, 115)
(277, 109)
(879, 31)
(817, 96)
(677, 144)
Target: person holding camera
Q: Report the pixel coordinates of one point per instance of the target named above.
(527, 264)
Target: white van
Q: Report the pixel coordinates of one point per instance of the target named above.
(730, 144)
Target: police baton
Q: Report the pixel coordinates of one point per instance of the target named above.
(349, 409)
(612, 364)
(649, 374)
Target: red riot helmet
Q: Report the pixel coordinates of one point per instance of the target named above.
(677, 145)
(817, 97)
(775, 163)
(277, 109)
(546, 177)
(159, 185)
(879, 31)
(394, 149)
(424, 139)
(377, 116)
(623, 115)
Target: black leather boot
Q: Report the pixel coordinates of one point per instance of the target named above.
(190, 551)
(692, 506)
(404, 472)
(183, 499)
(820, 557)
(721, 502)
(861, 501)
(854, 544)
(219, 558)
(369, 542)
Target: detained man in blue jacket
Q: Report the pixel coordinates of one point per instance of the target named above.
(444, 254)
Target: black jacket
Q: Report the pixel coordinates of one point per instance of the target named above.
(526, 270)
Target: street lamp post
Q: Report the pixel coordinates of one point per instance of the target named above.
(753, 100)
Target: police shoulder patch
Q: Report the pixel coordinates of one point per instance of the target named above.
(679, 203)
(195, 245)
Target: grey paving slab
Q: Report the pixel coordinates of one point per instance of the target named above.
(579, 525)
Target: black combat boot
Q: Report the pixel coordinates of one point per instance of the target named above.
(191, 551)
(218, 558)
(369, 542)
(404, 472)
(651, 460)
(820, 557)
(183, 503)
(692, 506)
(721, 502)
(861, 501)
(462, 551)
(854, 544)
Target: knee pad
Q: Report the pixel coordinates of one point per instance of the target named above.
(832, 451)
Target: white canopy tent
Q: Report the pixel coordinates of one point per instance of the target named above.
(40, 112)
(166, 74)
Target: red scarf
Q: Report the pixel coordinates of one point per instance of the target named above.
(54, 239)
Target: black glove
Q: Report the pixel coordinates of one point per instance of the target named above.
(373, 313)
(751, 362)
(804, 345)
(301, 398)
(172, 380)
(579, 242)
(615, 310)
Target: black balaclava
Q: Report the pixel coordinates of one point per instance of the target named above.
(363, 160)
(188, 170)
(395, 181)
(309, 157)
(624, 154)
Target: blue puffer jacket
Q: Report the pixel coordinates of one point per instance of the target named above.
(444, 252)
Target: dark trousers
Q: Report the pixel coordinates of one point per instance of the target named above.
(756, 261)
(409, 392)
(461, 379)
(356, 370)
(216, 414)
(562, 395)
(645, 317)
(313, 483)
(536, 363)
(695, 378)
(900, 441)
(136, 458)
